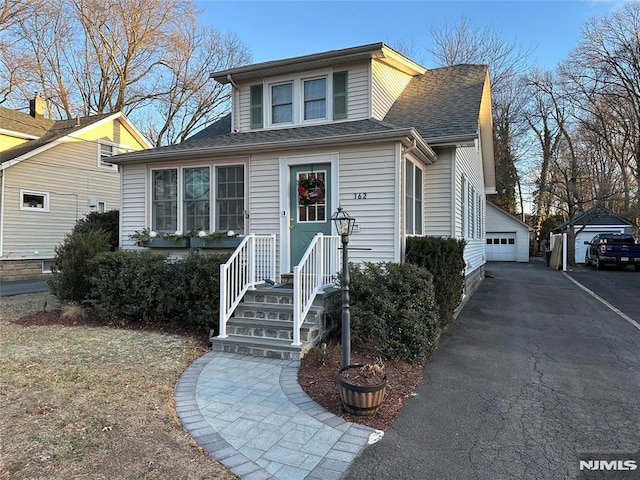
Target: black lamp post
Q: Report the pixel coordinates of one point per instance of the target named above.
(344, 225)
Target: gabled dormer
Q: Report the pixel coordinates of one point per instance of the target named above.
(341, 85)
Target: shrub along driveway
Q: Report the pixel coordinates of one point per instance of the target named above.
(533, 375)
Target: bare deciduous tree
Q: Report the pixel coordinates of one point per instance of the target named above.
(461, 43)
(148, 58)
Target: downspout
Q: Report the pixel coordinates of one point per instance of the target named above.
(234, 126)
(2, 182)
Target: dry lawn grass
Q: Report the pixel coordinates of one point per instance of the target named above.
(95, 403)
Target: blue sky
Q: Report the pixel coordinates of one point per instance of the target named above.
(281, 29)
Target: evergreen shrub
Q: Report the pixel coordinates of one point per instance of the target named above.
(151, 287)
(71, 267)
(444, 258)
(393, 310)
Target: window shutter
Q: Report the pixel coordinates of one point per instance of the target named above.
(256, 106)
(339, 95)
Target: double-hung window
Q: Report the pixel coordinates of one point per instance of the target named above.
(282, 103)
(413, 199)
(182, 199)
(298, 100)
(315, 99)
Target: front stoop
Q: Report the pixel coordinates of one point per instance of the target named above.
(262, 325)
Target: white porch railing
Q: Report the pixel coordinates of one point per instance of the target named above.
(319, 267)
(253, 261)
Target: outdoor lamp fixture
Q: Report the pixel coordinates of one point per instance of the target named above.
(344, 225)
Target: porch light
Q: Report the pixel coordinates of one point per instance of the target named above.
(344, 222)
(344, 225)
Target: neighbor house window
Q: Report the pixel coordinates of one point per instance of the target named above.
(413, 199)
(282, 103)
(34, 201)
(181, 199)
(106, 150)
(102, 207)
(315, 99)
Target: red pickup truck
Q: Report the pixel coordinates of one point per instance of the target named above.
(619, 249)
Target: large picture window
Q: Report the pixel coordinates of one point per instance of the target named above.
(413, 199)
(181, 199)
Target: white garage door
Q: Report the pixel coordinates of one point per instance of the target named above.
(501, 247)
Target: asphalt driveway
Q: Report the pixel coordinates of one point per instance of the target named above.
(533, 376)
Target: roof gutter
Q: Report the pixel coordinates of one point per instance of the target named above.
(407, 136)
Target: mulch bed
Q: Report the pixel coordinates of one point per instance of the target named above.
(318, 375)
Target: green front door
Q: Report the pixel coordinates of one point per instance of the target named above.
(310, 200)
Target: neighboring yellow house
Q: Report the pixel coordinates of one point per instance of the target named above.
(53, 173)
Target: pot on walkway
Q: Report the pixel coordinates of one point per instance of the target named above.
(362, 388)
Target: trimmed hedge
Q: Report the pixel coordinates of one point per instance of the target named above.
(393, 310)
(444, 258)
(150, 287)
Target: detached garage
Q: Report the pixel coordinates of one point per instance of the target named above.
(507, 236)
(588, 224)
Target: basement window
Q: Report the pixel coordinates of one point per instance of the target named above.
(34, 201)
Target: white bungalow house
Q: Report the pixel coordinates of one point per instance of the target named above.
(403, 149)
(52, 174)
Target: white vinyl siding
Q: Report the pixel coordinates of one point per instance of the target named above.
(69, 174)
(133, 211)
(387, 85)
(438, 196)
(469, 167)
(372, 170)
(376, 215)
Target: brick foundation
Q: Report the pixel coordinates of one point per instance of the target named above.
(11, 270)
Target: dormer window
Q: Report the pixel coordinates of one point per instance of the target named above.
(282, 103)
(296, 101)
(315, 99)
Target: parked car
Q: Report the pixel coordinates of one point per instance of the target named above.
(619, 249)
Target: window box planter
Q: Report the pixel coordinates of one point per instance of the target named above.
(223, 242)
(166, 243)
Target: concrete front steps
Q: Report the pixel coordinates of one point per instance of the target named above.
(262, 325)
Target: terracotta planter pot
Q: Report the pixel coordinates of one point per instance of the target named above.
(360, 400)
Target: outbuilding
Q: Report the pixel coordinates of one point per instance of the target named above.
(588, 224)
(507, 236)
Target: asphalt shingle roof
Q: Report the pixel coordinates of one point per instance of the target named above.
(48, 130)
(444, 102)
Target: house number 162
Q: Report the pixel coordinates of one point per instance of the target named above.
(359, 196)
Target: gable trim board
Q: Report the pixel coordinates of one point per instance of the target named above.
(80, 131)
